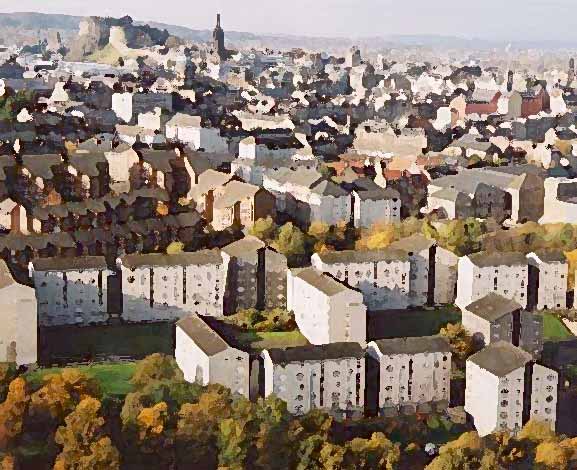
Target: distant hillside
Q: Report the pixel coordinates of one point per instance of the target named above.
(27, 28)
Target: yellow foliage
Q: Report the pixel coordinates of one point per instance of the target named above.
(572, 260)
(467, 440)
(161, 208)
(381, 238)
(552, 455)
(174, 248)
(152, 420)
(537, 431)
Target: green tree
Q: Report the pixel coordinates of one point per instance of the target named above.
(265, 229)
(84, 443)
(155, 368)
(198, 427)
(461, 342)
(290, 241)
(375, 453)
(273, 449)
(7, 374)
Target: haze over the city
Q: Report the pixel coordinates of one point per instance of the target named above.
(518, 19)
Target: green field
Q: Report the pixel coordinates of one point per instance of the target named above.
(276, 339)
(554, 329)
(114, 378)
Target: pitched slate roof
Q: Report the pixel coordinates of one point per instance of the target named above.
(413, 345)
(80, 263)
(201, 257)
(359, 256)
(485, 259)
(500, 358)
(323, 282)
(316, 353)
(492, 307)
(203, 335)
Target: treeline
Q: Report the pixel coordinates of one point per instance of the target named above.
(166, 423)
(66, 422)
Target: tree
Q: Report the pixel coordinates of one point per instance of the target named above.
(154, 368)
(236, 436)
(60, 394)
(375, 453)
(7, 374)
(273, 449)
(465, 453)
(13, 412)
(290, 241)
(198, 425)
(461, 342)
(175, 248)
(537, 431)
(265, 229)
(84, 444)
(378, 237)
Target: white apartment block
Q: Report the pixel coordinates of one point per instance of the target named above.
(414, 374)
(506, 274)
(544, 387)
(495, 394)
(326, 310)
(495, 389)
(495, 318)
(71, 291)
(159, 287)
(329, 377)
(19, 332)
(548, 274)
(372, 204)
(307, 196)
(206, 358)
(420, 251)
(381, 275)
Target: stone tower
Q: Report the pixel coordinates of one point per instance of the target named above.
(218, 39)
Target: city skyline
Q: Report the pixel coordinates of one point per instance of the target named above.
(342, 18)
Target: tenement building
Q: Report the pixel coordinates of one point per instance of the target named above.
(414, 374)
(381, 275)
(326, 310)
(159, 287)
(206, 358)
(71, 291)
(329, 377)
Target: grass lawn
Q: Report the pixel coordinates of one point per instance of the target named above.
(276, 339)
(554, 329)
(403, 323)
(114, 378)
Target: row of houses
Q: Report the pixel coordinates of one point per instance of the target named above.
(505, 386)
(159, 287)
(407, 374)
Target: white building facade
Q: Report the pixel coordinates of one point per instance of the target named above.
(329, 377)
(381, 275)
(71, 291)
(414, 374)
(326, 310)
(159, 287)
(206, 358)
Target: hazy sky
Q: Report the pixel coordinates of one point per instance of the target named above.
(491, 19)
